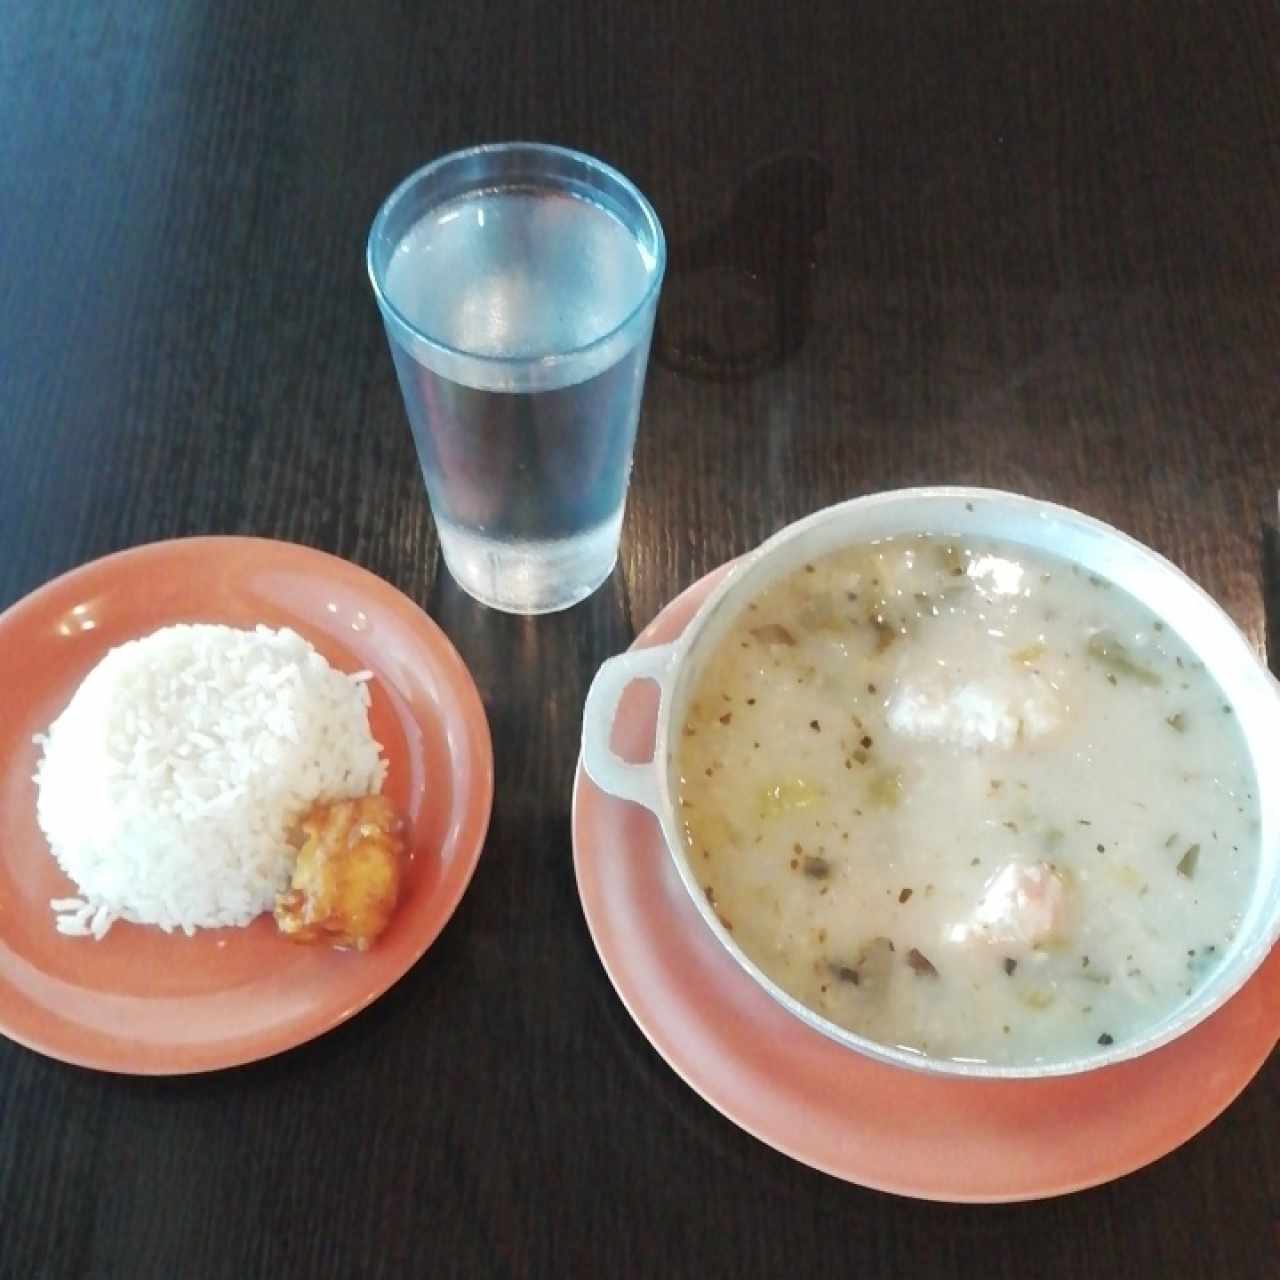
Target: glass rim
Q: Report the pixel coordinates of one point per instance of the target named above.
(647, 211)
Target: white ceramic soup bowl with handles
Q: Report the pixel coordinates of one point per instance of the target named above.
(961, 513)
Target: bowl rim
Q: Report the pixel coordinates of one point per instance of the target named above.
(733, 590)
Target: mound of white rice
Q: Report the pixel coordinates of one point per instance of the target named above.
(170, 785)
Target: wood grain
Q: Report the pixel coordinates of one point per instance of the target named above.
(1031, 246)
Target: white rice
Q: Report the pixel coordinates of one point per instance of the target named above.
(170, 786)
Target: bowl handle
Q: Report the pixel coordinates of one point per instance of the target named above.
(635, 782)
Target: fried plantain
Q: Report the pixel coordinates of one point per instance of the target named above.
(348, 876)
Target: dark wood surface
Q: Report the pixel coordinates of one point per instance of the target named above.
(1030, 245)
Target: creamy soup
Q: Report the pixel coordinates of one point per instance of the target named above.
(969, 800)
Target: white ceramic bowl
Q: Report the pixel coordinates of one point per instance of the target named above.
(1160, 586)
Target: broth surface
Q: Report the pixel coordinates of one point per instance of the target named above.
(968, 799)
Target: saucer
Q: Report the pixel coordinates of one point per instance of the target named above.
(931, 1137)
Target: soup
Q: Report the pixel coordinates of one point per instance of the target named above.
(967, 799)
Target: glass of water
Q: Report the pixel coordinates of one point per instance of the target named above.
(518, 285)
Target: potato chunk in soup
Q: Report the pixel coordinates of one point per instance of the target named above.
(967, 799)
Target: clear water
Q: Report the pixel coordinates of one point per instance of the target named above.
(526, 464)
(528, 575)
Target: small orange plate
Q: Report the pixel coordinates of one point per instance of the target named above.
(149, 1003)
(879, 1126)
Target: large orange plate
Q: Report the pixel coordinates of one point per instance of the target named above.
(876, 1125)
(145, 1002)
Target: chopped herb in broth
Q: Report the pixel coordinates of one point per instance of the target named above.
(785, 797)
(886, 633)
(773, 633)
(1114, 656)
(1021, 772)
(885, 788)
(1028, 653)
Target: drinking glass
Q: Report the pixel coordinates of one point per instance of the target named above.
(518, 284)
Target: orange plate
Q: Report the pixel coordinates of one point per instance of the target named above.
(824, 1105)
(150, 1003)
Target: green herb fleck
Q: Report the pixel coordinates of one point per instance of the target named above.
(1113, 655)
(1187, 863)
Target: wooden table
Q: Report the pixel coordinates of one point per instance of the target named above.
(1035, 246)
